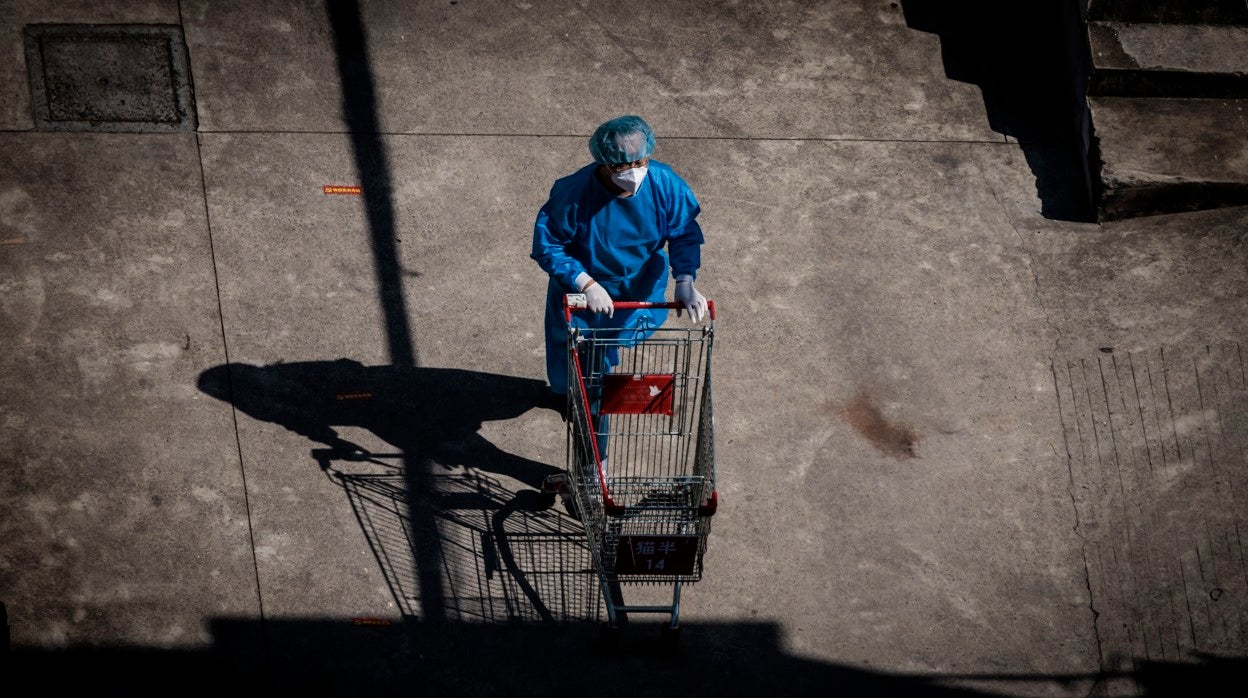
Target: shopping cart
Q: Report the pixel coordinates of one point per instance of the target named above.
(641, 457)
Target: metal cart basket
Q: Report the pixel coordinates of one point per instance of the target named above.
(641, 457)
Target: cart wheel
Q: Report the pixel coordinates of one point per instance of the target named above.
(555, 483)
(669, 638)
(609, 637)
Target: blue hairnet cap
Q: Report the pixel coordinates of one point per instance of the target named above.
(622, 139)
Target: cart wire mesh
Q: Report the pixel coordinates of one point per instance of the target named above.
(640, 412)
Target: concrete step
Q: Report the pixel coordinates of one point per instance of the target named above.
(1168, 98)
(1170, 11)
(1163, 155)
(1168, 60)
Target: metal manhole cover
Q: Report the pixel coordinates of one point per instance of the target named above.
(109, 77)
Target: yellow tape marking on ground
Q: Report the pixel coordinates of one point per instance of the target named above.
(358, 395)
(372, 621)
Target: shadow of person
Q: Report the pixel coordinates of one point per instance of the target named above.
(430, 414)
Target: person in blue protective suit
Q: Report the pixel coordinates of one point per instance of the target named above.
(611, 230)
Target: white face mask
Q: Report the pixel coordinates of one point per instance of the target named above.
(629, 180)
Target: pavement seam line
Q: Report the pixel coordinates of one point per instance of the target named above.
(451, 134)
(1070, 490)
(238, 444)
(1074, 505)
(439, 134)
(225, 346)
(1031, 266)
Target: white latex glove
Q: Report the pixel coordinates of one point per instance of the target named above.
(596, 296)
(689, 297)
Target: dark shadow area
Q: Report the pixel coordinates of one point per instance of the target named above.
(1168, 83)
(345, 657)
(1170, 11)
(500, 555)
(1030, 60)
(429, 413)
(372, 164)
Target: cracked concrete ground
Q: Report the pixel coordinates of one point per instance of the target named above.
(937, 474)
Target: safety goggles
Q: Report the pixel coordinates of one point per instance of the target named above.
(621, 167)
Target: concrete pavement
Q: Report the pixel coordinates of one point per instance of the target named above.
(915, 498)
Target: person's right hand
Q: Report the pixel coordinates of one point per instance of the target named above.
(598, 299)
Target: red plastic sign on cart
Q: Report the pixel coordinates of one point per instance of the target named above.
(641, 393)
(656, 554)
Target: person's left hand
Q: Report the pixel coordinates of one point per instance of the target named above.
(690, 299)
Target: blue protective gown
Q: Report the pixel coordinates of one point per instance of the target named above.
(619, 241)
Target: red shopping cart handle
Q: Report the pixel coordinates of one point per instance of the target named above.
(569, 308)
